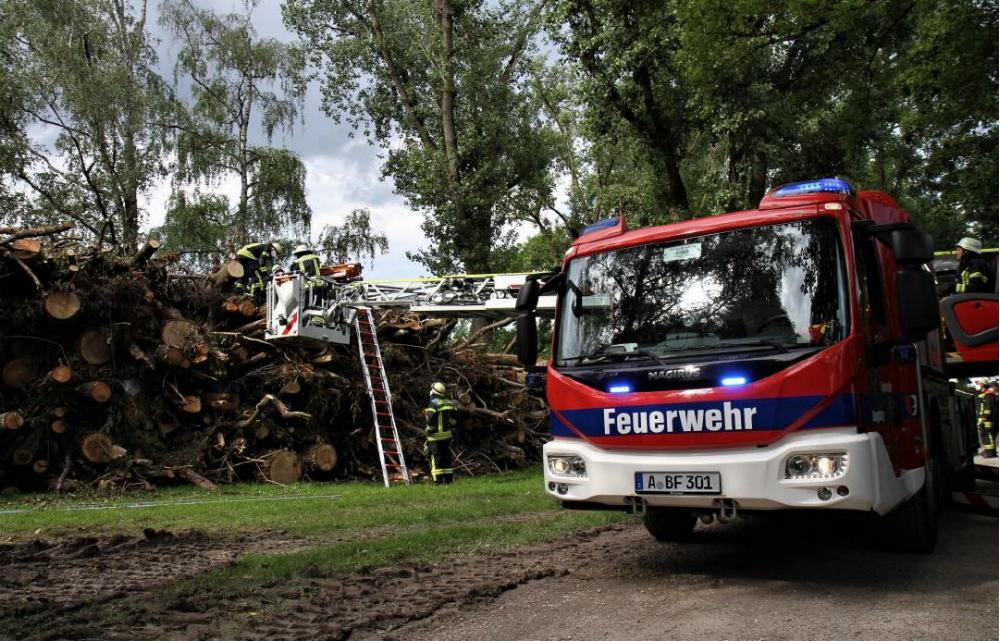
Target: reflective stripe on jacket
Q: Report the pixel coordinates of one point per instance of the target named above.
(309, 265)
(440, 419)
(253, 251)
(974, 276)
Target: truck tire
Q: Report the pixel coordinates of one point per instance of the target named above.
(913, 526)
(669, 525)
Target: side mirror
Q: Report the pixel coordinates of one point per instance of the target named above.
(527, 340)
(527, 297)
(916, 300)
(911, 247)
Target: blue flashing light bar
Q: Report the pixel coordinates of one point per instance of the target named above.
(607, 223)
(830, 185)
(619, 388)
(733, 381)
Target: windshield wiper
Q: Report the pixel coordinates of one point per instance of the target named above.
(775, 345)
(601, 354)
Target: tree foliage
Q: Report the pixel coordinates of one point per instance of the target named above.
(80, 112)
(355, 239)
(440, 85)
(727, 99)
(238, 81)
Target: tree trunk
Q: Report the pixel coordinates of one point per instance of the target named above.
(146, 252)
(230, 270)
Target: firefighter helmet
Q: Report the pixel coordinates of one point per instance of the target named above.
(438, 389)
(300, 249)
(276, 248)
(970, 244)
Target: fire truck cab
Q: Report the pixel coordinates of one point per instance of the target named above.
(784, 358)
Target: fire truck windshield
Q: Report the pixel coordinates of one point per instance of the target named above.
(776, 288)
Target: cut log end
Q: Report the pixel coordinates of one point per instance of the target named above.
(59, 426)
(322, 457)
(98, 448)
(283, 467)
(62, 305)
(191, 404)
(20, 372)
(11, 420)
(61, 374)
(97, 391)
(94, 348)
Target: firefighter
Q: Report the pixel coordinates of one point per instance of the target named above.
(440, 421)
(306, 262)
(986, 424)
(974, 273)
(257, 260)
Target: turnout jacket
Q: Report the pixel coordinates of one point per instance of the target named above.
(440, 417)
(974, 275)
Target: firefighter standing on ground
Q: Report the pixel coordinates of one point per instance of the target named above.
(974, 273)
(986, 424)
(440, 421)
(257, 260)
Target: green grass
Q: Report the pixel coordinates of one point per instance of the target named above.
(373, 526)
(305, 509)
(254, 572)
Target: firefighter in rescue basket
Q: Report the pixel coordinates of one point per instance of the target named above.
(440, 416)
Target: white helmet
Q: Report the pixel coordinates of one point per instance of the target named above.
(970, 244)
(276, 248)
(438, 389)
(300, 249)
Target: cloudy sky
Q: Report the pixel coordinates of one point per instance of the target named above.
(343, 171)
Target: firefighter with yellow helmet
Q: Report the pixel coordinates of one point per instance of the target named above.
(440, 420)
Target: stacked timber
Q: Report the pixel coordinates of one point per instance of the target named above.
(129, 370)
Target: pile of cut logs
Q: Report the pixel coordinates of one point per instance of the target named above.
(129, 371)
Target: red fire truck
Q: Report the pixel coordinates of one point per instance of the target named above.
(788, 357)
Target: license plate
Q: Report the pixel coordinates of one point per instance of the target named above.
(678, 482)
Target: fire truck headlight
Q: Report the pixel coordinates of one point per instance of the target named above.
(567, 466)
(815, 466)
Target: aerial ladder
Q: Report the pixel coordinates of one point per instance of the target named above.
(341, 304)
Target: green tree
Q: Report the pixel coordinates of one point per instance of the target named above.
(84, 72)
(353, 240)
(237, 81)
(628, 51)
(441, 86)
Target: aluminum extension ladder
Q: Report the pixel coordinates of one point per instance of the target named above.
(390, 449)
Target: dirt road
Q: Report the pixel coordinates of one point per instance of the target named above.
(776, 580)
(754, 581)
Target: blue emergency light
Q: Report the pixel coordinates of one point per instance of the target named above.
(619, 388)
(733, 381)
(828, 185)
(607, 223)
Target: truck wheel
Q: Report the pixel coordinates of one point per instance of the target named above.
(913, 526)
(669, 525)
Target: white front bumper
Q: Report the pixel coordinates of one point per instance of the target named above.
(752, 477)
